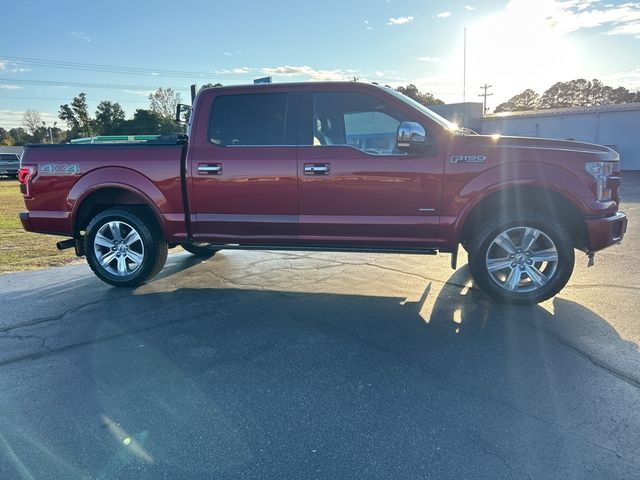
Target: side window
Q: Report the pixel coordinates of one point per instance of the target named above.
(250, 119)
(361, 121)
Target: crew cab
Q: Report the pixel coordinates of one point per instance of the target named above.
(330, 166)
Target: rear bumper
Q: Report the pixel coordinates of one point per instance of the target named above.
(605, 231)
(51, 222)
(26, 223)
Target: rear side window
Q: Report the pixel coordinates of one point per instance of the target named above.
(251, 119)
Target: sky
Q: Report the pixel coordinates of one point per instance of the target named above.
(123, 50)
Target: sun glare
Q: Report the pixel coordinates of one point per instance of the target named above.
(524, 46)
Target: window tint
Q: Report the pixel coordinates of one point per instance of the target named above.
(253, 119)
(354, 119)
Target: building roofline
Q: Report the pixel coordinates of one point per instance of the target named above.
(618, 107)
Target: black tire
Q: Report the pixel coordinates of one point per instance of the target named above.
(150, 243)
(532, 289)
(200, 250)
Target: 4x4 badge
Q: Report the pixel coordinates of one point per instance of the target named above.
(53, 169)
(468, 158)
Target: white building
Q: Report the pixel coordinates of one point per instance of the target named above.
(616, 126)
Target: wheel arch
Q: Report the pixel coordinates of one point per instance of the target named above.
(114, 187)
(524, 197)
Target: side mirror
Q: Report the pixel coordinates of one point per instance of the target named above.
(181, 107)
(411, 137)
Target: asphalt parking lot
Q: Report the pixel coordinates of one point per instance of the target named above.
(281, 365)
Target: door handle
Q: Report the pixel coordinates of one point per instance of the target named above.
(316, 168)
(209, 169)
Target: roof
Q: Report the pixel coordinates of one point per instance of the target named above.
(297, 85)
(618, 107)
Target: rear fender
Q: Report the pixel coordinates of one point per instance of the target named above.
(118, 177)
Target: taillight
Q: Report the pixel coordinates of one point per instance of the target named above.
(25, 175)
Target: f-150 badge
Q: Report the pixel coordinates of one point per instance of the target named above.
(468, 158)
(53, 169)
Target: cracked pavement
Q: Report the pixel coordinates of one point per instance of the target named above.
(320, 365)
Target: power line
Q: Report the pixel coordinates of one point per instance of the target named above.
(240, 74)
(97, 67)
(52, 83)
(61, 99)
(485, 87)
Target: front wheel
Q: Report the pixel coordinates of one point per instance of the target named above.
(124, 249)
(522, 258)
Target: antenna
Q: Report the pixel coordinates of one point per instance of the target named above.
(485, 87)
(464, 80)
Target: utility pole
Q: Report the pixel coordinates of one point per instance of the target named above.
(464, 79)
(485, 87)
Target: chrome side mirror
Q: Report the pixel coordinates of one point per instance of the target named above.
(411, 136)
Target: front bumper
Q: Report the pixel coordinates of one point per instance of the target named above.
(603, 232)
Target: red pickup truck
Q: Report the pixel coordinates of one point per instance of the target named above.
(329, 167)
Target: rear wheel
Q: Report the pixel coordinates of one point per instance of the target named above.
(201, 250)
(124, 249)
(522, 258)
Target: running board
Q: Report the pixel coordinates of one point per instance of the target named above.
(330, 248)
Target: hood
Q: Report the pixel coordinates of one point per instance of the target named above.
(499, 141)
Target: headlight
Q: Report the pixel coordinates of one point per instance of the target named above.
(601, 171)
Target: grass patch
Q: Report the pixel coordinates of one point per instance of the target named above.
(20, 250)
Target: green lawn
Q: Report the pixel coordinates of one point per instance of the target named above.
(20, 250)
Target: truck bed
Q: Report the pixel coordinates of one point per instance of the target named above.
(66, 174)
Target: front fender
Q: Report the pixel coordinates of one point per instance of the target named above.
(508, 176)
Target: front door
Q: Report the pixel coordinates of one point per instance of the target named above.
(243, 176)
(354, 185)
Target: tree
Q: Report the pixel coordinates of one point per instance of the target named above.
(77, 116)
(574, 93)
(109, 118)
(584, 93)
(210, 85)
(147, 122)
(32, 122)
(424, 98)
(5, 138)
(164, 101)
(18, 136)
(527, 100)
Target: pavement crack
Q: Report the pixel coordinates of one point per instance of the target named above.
(499, 457)
(600, 286)
(58, 317)
(601, 364)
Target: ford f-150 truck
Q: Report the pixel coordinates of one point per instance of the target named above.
(329, 167)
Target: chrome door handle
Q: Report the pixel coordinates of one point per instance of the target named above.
(316, 168)
(209, 169)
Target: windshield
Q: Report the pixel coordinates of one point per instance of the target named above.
(443, 122)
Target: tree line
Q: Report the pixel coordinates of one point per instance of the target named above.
(159, 118)
(109, 118)
(575, 93)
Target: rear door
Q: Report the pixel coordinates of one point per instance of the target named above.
(355, 186)
(243, 168)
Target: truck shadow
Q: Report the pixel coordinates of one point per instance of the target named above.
(224, 381)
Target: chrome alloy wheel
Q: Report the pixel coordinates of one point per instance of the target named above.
(522, 259)
(118, 248)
